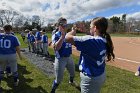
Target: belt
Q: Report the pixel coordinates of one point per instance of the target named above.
(84, 73)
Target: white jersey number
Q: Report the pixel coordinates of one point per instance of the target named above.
(103, 58)
(68, 45)
(5, 43)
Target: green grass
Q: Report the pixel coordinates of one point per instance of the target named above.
(32, 80)
(23, 45)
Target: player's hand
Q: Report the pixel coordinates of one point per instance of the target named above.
(62, 30)
(50, 43)
(75, 27)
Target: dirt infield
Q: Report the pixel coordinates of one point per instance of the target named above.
(127, 51)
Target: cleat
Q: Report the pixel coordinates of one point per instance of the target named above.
(137, 73)
(16, 83)
(9, 74)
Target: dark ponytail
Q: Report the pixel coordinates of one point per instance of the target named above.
(110, 47)
(101, 24)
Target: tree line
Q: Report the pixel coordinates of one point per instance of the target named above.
(20, 22)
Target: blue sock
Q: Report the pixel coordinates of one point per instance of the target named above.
(55, 85)
(15, 74)
(8, 69)
(139, 68)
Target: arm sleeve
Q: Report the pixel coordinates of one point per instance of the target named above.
(54, 38)
(80, 42)
(17, 43)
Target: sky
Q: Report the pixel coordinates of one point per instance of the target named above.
(74, 10)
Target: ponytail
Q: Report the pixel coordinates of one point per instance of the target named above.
(110, 47)
(101, 24)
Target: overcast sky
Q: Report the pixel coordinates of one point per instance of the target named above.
(74, 10)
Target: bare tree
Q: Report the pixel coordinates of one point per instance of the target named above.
(131, 23)
(7, 16)
(19, 21)
(124, 22)
(116, 22)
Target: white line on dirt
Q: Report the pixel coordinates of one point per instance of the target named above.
(134, 43)
(132, 61)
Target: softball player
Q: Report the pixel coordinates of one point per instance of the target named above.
(32, 42)
(8, 69)
(9, 45)
(23, 36)
(94, 48)
(38, 42)
(28, 39)
(63, 57)
(44, 40)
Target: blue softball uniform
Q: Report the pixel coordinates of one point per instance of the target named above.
(32, 38)
(93, 53)
(28, 36)
(65, 50)
(38, 35)
(8, 42)
(44, 39)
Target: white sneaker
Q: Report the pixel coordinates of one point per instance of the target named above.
(9, 74)
(16, 83)
(44, 57)
(72, 83)
(137, 73)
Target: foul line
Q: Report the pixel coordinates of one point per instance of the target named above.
(134, 43)
(132, 61)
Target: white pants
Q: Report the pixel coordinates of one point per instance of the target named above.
(59, 67)
(9, 60)
(92, 84)
(45, 48)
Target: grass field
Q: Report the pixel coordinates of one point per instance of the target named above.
(32, 80)
(114, 35)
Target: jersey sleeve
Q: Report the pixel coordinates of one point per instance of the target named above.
(54, 39)
(80, 42)
(36, 35)
(16, 43)
(42, 38)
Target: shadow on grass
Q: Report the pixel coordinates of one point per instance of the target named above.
(23, 86)
(52, 57)
(77, 68)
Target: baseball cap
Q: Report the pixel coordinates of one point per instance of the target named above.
(62, 21)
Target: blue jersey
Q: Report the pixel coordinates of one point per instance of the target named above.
(12, 33)
(93, 53)
(8, 44)
(44, 39)
(65, 50)
(32, 38)
(38, 35)
(28, 36)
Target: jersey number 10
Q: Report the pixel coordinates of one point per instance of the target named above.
(5, 43)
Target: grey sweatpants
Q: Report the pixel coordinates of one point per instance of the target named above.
(9, 60)
(38, 47)
(29, 44)
(92, 84)
(45, 48)
(33, 46)
(59, 67)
